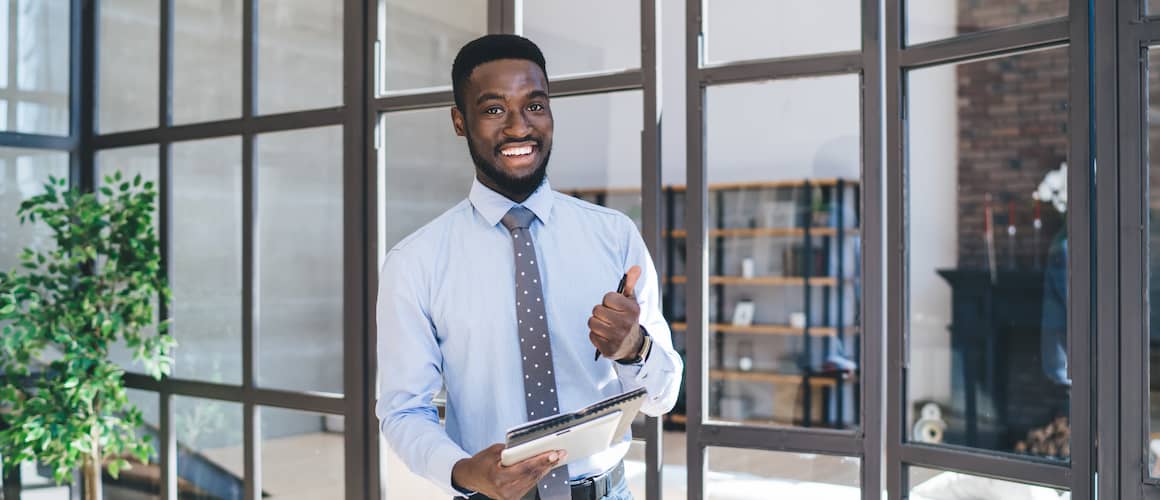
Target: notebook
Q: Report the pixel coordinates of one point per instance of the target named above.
(582, 432)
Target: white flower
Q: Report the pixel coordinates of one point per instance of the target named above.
(1053, 189)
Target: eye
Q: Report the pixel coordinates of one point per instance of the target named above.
(493, 110)
(535, 106)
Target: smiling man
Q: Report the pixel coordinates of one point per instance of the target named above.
(501, 300)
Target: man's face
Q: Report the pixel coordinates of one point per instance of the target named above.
(508, 125)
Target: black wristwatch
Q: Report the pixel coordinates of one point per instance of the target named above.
(642, 354)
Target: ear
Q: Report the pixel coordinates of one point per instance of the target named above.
(457, 121)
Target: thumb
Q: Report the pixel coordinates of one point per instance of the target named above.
(630, 282)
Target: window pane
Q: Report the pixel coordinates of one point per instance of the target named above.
(928, 484)
(129, 60)
(596, 150)
(40, 46)
(23, 173)
(424, 169)
(210, 456)
(927, 20)
(741, 29)
(1153, 158)
(584, 37)
(302, 455)
(207, 53)
(129, 161)
(738, 473)
(421, 37)
(299, 55)
(300, 253)
(783, 244)
(987, 289)
(140, 480)
(207, 259)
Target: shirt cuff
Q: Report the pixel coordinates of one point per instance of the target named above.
(440, 465)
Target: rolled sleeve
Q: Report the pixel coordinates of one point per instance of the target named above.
(660, 373)
(410, 375)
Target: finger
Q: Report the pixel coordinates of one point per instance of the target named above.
(537, 466)
(603, 345)
(611, 334)
(630, 282)
(602, 316)
(620, 303)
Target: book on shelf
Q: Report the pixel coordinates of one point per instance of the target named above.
(795, 257)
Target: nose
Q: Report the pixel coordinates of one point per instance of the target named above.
(517, 125)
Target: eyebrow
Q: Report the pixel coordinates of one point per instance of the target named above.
(492, 95)
(487, 97)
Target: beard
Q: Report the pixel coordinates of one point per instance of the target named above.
(515, 186)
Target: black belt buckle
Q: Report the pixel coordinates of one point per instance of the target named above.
(597, 487)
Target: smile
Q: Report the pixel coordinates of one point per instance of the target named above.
(517, 151)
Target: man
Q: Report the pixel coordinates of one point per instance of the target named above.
(502, 298)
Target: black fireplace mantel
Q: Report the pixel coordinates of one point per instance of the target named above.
(999, 387)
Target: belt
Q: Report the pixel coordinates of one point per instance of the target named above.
(589, 488)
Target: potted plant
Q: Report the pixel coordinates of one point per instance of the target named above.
(62, 399)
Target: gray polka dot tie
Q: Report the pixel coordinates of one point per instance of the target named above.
(535, 345)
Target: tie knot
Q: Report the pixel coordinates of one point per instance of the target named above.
(518, 217)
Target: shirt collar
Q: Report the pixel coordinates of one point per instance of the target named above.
(493, 206)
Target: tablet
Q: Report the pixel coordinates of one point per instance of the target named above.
(580, 441)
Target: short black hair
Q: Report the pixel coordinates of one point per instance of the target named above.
(490, 48)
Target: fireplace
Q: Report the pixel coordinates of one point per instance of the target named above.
(1000, 392)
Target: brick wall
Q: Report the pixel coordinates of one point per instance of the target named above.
(1013, 129)
(1013, 114)
(976, 15)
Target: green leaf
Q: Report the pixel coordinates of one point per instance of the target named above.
(115, 467)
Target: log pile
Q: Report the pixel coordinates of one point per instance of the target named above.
(1052, 440)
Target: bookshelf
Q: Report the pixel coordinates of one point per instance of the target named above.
(804, 234)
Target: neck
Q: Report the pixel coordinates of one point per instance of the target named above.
(518, 197)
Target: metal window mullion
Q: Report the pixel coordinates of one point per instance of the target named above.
(1146, 32)
(13, 59)
(776, 439)
(374, 482)
(651, 211)
(76, 82)
(165, 66)
(987, 464)
(987, 43)
(792, 67)
(696, 293)
(224, 128)
(167, 452)
(1079, 338)
(249, 57)
(357, 71)
(502, 16)
(597, 83)
(34, 141)
(872, 331)
(896, 474)
(164, 201)
(165, 238)
(1133, 206)
(250, 317)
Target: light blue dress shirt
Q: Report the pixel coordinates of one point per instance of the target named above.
(446, 318)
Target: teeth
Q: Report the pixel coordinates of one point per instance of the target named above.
(522, 150)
